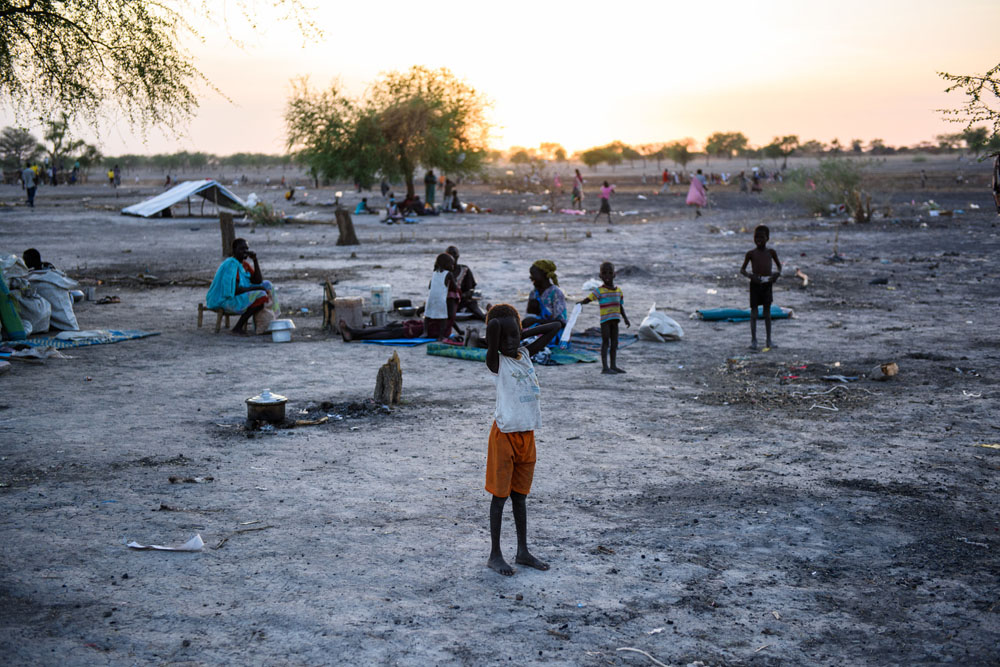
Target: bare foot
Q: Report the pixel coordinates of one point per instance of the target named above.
(528, 560)
(753, 346)
(498, 564)
(345, 331)
(615, 369)
(238, 332)
(772, 345)
(607, 371)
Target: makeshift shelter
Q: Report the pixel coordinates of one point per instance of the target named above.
(210, 190)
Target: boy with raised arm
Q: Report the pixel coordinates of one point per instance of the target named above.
(510, 460)
(761, 280)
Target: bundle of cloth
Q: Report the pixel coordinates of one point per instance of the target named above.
(41, 292)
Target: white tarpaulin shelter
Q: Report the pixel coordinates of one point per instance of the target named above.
(209, 189)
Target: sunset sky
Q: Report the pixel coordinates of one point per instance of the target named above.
(585, 73)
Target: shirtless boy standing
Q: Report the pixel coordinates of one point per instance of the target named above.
(761, 279)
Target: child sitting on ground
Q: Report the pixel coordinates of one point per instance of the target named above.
(439, 312)
(612, 303)
(761, 281)
(510, 460)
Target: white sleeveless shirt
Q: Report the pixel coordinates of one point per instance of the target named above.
(437, 299)
(517, 394)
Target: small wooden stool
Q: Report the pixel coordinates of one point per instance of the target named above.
(219, 314)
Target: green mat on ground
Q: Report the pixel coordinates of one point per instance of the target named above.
(558, 357)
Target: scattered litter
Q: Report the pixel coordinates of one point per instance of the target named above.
(556, 633)
(644, 197)
(239, 532)
(601, 549)
(312, 422)
(776, 615)
(573, 437)
(194, 544)
(711, 291)
(840, 378)
(882, 280)
(831, 408)
(802, 276)
(104, 300)
(968, 541)
(655, 631)
(190, 480)
(969, 394)
(636, 650)
(989, 445)
(38, 354)
(628, 213)
(759, 649)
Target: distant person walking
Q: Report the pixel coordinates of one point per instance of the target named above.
(30, 185)
(665, 183)
(577, 202)
(697, 194)
(118, 176)
(606, 191)
(430, 184)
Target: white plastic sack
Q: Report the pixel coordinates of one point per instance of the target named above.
(591, 285)
(659, 327)
(53, 286)
(252, 200)
(34, 310)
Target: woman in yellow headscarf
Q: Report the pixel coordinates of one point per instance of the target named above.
(547, 302)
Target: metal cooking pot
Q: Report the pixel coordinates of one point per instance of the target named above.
(266, 407)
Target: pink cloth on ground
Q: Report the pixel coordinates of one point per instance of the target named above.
(696, 194)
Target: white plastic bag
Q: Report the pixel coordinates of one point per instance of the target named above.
(53, 286)
(34, 310)
(658, 327)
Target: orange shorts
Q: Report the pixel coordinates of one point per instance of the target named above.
(510, 462)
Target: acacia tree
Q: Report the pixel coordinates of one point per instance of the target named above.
(18, 146)
(782, 147)
(680, 151)
(82, 56)
(982, 104)
(419, 117)
(725, 144)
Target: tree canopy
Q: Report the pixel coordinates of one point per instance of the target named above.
(982, 103)
(420, 117)
(18, 146)
(80, 57)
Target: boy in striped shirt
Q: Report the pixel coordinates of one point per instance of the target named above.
(612, 305)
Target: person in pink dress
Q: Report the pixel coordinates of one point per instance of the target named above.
(606, 192)
(697, 193)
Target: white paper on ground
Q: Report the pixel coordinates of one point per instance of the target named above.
(570, 323)
(194, 544)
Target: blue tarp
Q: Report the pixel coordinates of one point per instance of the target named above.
(739, 315)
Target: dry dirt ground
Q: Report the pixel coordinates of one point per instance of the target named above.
(712, 506)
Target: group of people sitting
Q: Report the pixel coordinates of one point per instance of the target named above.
(452, 291)
(239, 288)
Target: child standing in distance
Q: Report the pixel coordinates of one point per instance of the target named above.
(761, 280)
(577, 201)
(612, 303)
(438, 312)
(510, 461)
(606, 192)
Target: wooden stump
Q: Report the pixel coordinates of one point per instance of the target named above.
(346, 227)
(228, 233)
(329, 307)
(389, 382)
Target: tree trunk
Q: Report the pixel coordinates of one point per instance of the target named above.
(389, 382)
(228, 233)
(410, 191)
(346, 227)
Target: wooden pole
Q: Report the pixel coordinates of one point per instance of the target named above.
(227, 227)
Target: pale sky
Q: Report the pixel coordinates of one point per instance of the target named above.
(586, 73)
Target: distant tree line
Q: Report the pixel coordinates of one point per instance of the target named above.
(729, 145)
